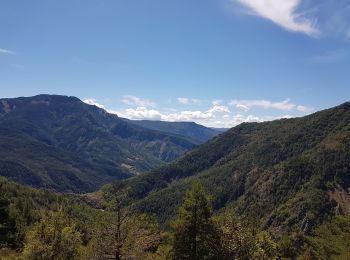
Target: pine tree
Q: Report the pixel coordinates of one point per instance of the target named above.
(53, 237)
(195, 236)
(238, 242)
(116, 201)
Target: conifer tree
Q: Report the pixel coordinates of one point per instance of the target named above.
(53, 237)
(195, 236)
(116, 201)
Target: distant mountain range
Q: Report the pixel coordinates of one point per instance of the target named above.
(198, 133)
(289, 175)
(61, 143)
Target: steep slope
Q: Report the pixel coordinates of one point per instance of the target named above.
(22, 207)
(26, 160)
(69, 145)
(288, 174)
(190, 130)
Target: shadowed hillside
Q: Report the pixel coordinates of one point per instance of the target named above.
(62, 143)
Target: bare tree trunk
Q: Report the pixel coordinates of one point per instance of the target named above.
(118, 232)
(194, 253)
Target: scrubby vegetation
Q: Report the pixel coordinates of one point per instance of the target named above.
(37, 224)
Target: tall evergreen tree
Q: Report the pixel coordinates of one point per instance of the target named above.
(195, 236)
(116, 201)
(54, 237)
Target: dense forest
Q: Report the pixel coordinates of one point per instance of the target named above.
(284, 161)
(269, 190)
(37, 224)
(289, 176)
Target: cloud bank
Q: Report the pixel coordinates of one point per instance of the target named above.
(284, 105)
(219, 113)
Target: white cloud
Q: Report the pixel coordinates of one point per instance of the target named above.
(184, 100)
(217, 116)
(228, 122)
(205, 118)
(219, 109)
(216, 102)
(93, 102)
(246, 105)
(238, 118)
(239, 105)
(145, 113)
(5, 51)
(141, 113)
(188, 116)
(283, 13)
(137, 101)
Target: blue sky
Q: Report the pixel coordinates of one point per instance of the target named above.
(216, 62)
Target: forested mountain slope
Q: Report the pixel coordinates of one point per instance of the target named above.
(191, 130)
(62, 143)
(288, 174)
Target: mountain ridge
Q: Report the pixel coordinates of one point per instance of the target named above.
(192, 130)
(283, 172)
(66, 127)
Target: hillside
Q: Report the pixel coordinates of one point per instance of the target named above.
(56, 217)
(62, 143)
(289, 175)
(190, 130)
(283, 185)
